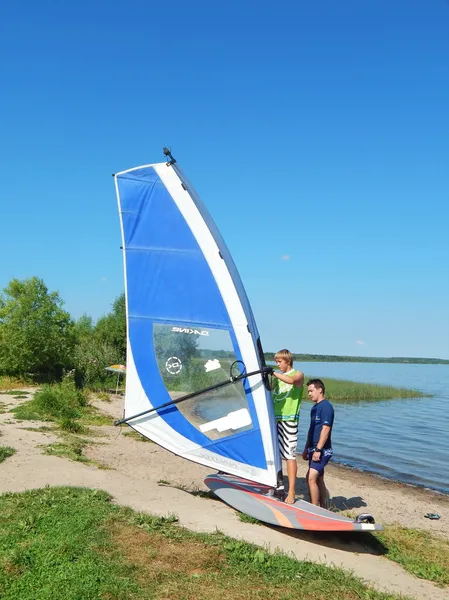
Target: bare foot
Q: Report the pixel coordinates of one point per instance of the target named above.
(290, 499)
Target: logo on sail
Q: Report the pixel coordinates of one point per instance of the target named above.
(173, 365)
(190, 331)
(212, 365)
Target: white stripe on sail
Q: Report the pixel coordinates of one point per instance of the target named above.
(223, 278)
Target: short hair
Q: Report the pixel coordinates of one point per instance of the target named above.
(286, 355)
(317, 383)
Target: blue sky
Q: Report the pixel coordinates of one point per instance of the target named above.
(317, 133)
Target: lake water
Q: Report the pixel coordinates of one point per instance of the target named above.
(405, 438)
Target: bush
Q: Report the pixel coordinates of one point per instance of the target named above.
(71, 425)
(63, 402)
(91, 359)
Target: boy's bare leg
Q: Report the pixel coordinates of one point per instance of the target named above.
(292, 469)
(314, 491)
(323, 491)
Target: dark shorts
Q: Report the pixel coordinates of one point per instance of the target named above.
(319, 466)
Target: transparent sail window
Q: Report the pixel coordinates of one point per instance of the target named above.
(192, 358)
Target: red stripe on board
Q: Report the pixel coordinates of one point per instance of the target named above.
(307, 519)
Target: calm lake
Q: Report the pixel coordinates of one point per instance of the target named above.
(406, 438)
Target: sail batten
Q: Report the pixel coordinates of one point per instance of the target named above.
(188, 321)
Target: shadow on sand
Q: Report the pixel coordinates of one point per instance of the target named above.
(353, 542)
(335, 502)
(343, 503)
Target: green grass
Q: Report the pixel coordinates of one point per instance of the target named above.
(207, 494)
(12, 383)
(343, 390)
(71, 447)
(420, 553)
(136, 436)
(64, 404)
(247, 519)
(41, 429)
(6, 452)
(190, 489)
(91, 416)
(60, 402)
(74, 543)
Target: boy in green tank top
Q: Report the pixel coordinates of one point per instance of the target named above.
(287, 395)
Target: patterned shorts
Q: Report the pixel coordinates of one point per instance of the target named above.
(288, 438)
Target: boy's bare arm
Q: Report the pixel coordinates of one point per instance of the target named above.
(297, 378)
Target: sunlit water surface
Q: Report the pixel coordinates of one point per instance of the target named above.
(405, 438)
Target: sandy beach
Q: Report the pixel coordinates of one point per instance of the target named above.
(147, 478)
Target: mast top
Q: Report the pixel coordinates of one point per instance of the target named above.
(169, 155)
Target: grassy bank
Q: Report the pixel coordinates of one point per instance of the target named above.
(341, 390)
(419, 552)
(344, 389)
(74, 543)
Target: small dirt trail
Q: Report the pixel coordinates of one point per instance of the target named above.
(145, 477)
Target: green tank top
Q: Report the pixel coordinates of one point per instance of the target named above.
(287, 399)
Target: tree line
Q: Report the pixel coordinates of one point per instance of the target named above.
(39, 340)
(362, 359)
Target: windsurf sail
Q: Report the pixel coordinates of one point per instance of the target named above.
(194, 359)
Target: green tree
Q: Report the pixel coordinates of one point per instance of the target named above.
(36, 333)
(83, 328)
(111, 329)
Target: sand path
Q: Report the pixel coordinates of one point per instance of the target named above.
(136, 468)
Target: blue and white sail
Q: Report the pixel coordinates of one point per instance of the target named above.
(188, 322)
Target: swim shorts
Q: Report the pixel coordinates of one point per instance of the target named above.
(324, 459)
(288, 438)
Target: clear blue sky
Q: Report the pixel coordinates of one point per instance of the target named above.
(317, 133)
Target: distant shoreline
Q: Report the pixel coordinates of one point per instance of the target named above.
(362, 359)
